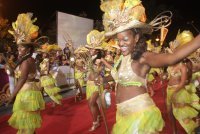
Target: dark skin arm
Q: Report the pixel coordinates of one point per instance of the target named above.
(24, 67)
(106, 63)
(154, 60)
(102, 80)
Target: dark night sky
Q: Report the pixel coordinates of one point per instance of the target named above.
(184, 11)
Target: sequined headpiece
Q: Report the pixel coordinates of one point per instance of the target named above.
(120, 15)
(95, 39)
(23, 29)
(182, 39)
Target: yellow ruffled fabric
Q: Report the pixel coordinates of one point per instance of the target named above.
(25, 120)
(26, 108)
(170, 91)
(80, 77)
(146, 120)
(195, 75)
(48, 83)
(47, 80)
(184, 115)
(183, 108)
(194, 98)
(29, 100)
(91, 88)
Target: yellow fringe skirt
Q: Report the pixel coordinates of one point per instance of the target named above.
(138, 115)
(48, 83)
(27, 106)
(80, 77)
(91, 88)
(183, 110)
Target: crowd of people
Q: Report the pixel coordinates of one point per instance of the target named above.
(117, 59)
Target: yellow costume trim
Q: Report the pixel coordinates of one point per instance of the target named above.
(48, 83)
(127, 107)
(29, 101)
(91, 88)
(138, 115)
(125, 75)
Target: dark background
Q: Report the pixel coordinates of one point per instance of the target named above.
(185, 13)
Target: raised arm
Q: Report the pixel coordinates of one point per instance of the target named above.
(163, 59)
(106, 63)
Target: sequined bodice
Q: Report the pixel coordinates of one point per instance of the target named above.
(125, 75)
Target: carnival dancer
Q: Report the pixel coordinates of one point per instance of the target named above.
(94, 41)
(80, 71)
(178, 97)
(136, 111)
(29, 101)
(47, 80)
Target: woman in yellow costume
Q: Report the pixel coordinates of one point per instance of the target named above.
(136, 111)
(195, 80)
(178, 97)
(29, 101)
(46, 79)
(80, 70)
(94, 41)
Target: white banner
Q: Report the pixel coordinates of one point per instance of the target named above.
(74, 27)
(64, 76)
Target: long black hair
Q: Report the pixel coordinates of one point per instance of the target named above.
(141, 45)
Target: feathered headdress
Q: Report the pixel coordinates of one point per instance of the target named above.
(23, 28)
(182, 38)
(95, 39)
(120, 15)
(45, 48)
(81, 50)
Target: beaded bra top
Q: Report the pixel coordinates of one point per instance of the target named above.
(125, 75)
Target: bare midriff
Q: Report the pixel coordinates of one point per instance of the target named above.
(124, 93)
(92, 76)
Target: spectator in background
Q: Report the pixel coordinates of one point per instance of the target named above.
(66, 51)
(64, 61)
